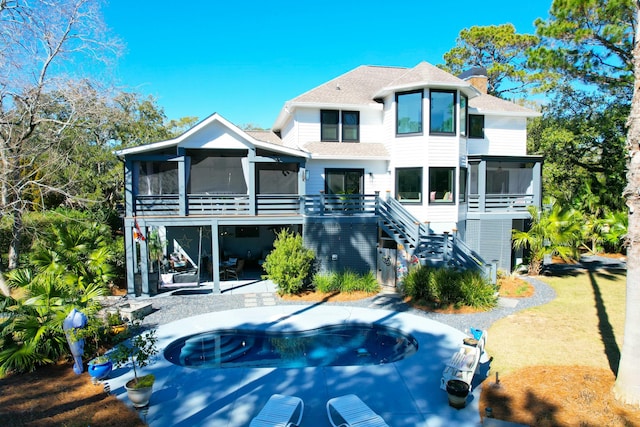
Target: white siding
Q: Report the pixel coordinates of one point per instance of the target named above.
(308, 125)
(388, 122)
(289, 134)
(370, 125)
(215, 135)
(506, 136)
(379, 180)
(443, 151)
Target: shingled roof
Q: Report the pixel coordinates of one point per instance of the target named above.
(357, 86)
(487, 104)
(346, 150)
(265, 136)
(429, 74)
(366, 84)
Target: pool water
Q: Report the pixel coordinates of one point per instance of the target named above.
(339, 345)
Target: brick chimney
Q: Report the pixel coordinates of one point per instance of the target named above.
(477, 76)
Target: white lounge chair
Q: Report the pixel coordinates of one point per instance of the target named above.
(350, 411)
(279, 411)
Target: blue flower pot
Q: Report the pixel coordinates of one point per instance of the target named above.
(99, 371)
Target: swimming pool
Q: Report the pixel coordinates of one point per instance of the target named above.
(336, 345)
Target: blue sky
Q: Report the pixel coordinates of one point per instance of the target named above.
(244, 59)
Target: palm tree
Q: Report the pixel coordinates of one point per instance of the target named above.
(554, 231)
(69, 269)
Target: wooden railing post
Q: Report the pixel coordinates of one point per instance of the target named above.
(445, 247)
(322, 203)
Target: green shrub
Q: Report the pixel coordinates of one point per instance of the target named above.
(418, 286)
(445, 287)
(347, 281)
(289, 264)
(325, 282)
(476, 290)
(368, 283)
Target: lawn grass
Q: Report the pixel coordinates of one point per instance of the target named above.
(557, 362)
(582, 326)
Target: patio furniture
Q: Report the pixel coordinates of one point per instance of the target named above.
(178, 262)
(350, 411)
(234, 271)
(463, 364)
(279, 411)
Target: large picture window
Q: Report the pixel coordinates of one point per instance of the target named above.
(476, 126)
(442, 112)
(409, 185)
(329, 125)
(442, 185)
(409, 113)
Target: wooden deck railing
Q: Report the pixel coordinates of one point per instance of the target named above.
(265, 204)
(500, 202)
(393, 218)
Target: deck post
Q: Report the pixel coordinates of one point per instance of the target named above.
(130, 256)
(445, 247)
(183, 206)
(537, 184)
(322, 202)
(215, 255)
(144, 259)
(482, 186)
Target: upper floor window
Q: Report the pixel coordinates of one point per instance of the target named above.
(476, 126)
(463, 115)
(442, 184)
(351, 126)
(329, 120)
(442, 112)
(330, 126)
(409, 185)
(409, 112)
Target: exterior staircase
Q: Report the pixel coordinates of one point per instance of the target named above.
(430, 248)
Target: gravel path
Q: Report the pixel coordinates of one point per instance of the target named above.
(168, 308)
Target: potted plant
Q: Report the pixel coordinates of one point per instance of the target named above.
(99, 367)
(140, 351)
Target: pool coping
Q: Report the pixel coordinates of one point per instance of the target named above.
(405, 393)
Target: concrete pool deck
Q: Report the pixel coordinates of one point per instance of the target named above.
(405, 393)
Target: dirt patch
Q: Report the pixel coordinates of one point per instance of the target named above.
(310, 296)
(514, 287)
(544, 396)
(444, 309)
(55, 395)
